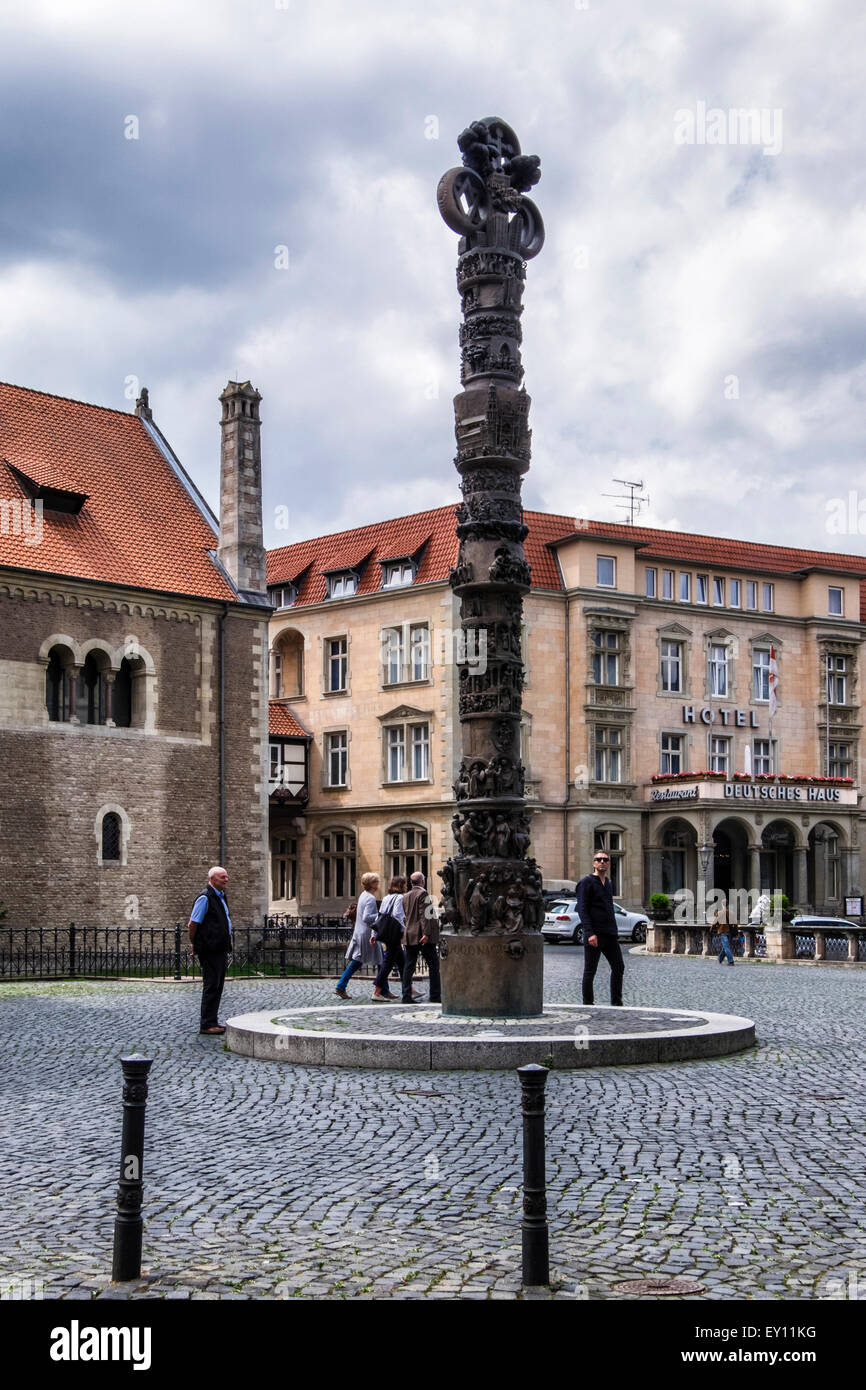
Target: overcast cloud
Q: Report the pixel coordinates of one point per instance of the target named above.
(696, 319)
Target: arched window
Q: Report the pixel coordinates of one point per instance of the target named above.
(128, 702)
(90, 691)
(337, 857)
(57, 683)
(678, 840)
(406, 851)
(288, 665)
(111, 837)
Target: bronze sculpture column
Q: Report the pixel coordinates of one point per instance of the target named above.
(491, 946)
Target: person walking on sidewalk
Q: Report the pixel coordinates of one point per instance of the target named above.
(388, 931)
(421, 935)
(361, 950)
(600, 938)
(210, 938)
(721, 931)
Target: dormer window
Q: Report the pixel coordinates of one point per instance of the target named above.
(342, 584)
(283, 595)
(396, 574)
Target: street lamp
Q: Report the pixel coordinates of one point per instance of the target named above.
(705, 852)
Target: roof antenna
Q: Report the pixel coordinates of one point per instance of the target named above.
(632, 503)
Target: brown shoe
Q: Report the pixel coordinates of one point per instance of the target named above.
(213, 1032)
(342, 993)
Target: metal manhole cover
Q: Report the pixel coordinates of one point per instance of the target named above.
(658, 1286)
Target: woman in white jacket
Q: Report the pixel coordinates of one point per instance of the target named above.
(361, 950)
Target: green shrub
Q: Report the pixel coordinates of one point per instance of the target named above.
(660, 902)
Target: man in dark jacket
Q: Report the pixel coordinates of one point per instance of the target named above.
(210, 936)
(421, 933)
(600, 937)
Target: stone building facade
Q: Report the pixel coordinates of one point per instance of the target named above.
(649, 656)
(133, 666)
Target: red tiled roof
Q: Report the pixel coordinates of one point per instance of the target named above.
(281, 720)
(139, 526)
(388, 540)
(723, 552)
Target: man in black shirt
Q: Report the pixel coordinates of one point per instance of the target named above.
(595, 909)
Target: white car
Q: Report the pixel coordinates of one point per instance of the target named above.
(562, 923)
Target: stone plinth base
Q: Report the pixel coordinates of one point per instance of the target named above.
(492, 976)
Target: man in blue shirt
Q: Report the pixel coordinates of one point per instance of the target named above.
(600, 936)
(210, 937)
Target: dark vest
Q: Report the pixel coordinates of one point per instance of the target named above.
(212, 936)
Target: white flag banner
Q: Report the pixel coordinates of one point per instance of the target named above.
(774, 681)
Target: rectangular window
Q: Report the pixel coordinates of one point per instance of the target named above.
(720, 754)
(702, 591)
(395, 760)
(837, 679)
(672, 666)
(392, 655)
(337, 755)
(718, 670)
(719, 593)
(761, 673)
(767, 597)
(420, 752)
(605, 658)
(736, 588)
(762, 756)
(751, 595)
(608, 754)
(338, 663)
(672, 753)
(834, 601)
(605, 571)
(685, 588)
(405, 653)
(840, 761)
(399, 737)
(667, 583)
(419, 651)
(650, 577)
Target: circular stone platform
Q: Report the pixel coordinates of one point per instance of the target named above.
(415, 1037)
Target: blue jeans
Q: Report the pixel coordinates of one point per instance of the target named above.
(348, 973)
(725, 948)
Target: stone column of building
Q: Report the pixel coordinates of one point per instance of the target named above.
(492, 956)
(241, 552)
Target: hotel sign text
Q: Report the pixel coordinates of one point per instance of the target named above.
(736, 717)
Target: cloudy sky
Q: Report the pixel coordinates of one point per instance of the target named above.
(696, 318)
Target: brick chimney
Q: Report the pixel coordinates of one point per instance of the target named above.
(241, 551)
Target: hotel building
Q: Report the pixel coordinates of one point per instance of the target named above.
(651, 657)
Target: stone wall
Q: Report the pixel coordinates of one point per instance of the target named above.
(162, 779)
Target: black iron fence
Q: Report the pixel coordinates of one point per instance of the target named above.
(281, 946)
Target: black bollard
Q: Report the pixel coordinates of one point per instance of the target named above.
(177, 951)
(536, 1256)
(128, 1224)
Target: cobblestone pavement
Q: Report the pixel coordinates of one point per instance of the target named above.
(263, 1180)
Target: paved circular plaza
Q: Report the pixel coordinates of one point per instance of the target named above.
(747, 1172)
(413, 1037)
